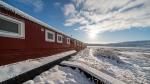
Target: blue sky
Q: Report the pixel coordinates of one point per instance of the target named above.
(93, 21)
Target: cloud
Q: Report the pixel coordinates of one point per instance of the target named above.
(36, 4)
(96, 16)
(57, 4)
(69, 9)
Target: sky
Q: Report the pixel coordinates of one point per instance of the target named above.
(93, 21)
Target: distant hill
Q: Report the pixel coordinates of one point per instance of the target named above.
(145, 43)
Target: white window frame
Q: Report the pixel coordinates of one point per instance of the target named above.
(68, 40)
(61, 38)
(21, 29)
(75, 42)
(46, 36)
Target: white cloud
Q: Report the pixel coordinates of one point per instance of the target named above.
(36, 4)
(107, 15)
(69, 9)
(78, 2)
(57, 4)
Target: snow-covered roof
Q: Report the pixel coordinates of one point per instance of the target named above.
(27, 16)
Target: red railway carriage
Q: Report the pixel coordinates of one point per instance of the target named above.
(24, 37)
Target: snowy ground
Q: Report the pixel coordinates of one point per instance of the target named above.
(131, 65)
(60, 75)
(12, 70)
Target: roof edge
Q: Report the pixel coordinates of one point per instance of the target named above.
(29, 17)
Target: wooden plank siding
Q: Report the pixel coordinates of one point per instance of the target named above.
(33, 45)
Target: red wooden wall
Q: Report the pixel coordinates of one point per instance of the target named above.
(34, 44)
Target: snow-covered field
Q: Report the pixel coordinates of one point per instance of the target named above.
(131, 65)
(60, 75)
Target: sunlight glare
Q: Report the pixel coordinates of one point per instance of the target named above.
(92, 34)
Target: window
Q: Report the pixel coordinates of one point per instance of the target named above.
(77, 43)
(68, 40)
(74, 42)
(10, 27)
(49, 36)
(59, 38)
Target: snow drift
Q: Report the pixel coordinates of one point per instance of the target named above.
(107, 53)
(60, 75)
(130, 65)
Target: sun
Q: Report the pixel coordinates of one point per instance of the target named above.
(92, 34)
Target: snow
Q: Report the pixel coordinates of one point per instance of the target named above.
(130, 65)
(60, 75)
(12, 70)
(98, 74)
(25, 15)
(105, 53)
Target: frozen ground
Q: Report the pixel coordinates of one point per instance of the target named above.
(131, 65)
(60, 75)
